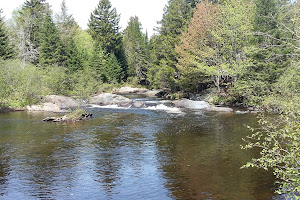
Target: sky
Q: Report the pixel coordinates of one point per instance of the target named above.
(148, 11)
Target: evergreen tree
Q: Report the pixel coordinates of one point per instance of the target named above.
(269, 54)
(67, 28)
(175, 19)
(135, 44)
(65, 22)
(104, 27)
(72, 56)
(31, 18)
(106, 65)
(6, 50)
(50, 44)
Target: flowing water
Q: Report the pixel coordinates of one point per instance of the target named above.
(156, 153)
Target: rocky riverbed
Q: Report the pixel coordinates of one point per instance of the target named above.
(56, 103)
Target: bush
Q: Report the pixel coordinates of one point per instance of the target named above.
(20, 84)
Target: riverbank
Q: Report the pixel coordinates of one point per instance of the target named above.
(117, 97)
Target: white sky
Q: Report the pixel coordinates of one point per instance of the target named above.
(148, 11)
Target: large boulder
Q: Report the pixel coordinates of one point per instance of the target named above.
(110, 99)
(186, 103)
(201, 105)
(54, 103)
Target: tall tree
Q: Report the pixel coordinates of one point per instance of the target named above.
(175, 19)
(50, 44)
(30, 21)
(136, 50)
(6, 50)
(65, 22)
(104, 27)
(67, 28)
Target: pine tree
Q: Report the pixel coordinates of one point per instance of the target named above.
(67, 27)
(106, 65)
(104, 27)
(175, 19)
(72, 58)
(269, 59)
(50, 44)
(135, 44)
(65, 22)
(6, 50)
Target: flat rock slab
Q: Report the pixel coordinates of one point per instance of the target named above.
(142, 91)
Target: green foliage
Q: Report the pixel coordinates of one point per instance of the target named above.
(6, 50)
(84, 45)
(65, 22)
(175, 19)
(50, 44)
(278, 138)
(19, 85)
(279, 142)
(73, 62)
(85, 83)
(104, 27)
(135, 44)
(215, 44)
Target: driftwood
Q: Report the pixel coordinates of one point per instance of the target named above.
(66, 118)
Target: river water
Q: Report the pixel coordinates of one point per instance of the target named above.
(130, 154)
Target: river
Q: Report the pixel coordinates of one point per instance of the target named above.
(130, 154)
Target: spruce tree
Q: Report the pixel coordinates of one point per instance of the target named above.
(135, 44)
(65, 22)
(50, 44)
(104, 27)
(269, 65)
(72, 57)
(175, 19)
(67, 27)
(6, 50)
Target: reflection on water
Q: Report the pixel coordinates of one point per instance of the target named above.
(129, 154)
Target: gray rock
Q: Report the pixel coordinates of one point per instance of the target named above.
(200, 105)
(186, 103)
(110, 99)
(54, 103)
(62, 102)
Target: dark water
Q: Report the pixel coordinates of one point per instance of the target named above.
(129, 154)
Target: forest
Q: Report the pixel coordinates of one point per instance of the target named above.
(228, 52)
